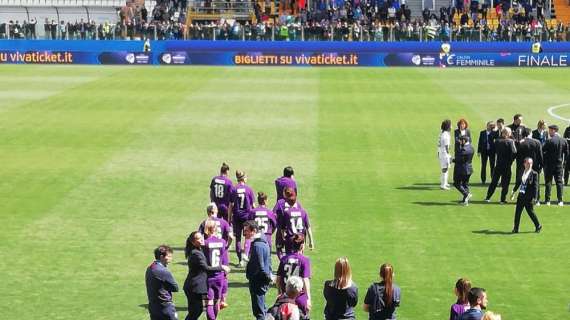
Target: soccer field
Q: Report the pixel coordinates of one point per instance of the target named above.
(99, 165)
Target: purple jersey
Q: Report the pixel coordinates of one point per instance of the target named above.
(221, 189)
(292, 219)
(294, 264)
(265, 219)
(282, 183)
(223, 229)
(216, 254)
(243, 200)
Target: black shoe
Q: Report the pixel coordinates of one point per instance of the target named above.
(538, 229)
(515, 231)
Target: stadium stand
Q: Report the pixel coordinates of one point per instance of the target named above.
(392, 20)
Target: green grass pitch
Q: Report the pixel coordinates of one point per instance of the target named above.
(99, 165)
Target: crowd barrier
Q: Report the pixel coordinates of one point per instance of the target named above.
(312, 54)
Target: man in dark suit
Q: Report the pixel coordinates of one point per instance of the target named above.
(517, 127)
(528, 148)
(463, 168)
(258, 270)
(159, 286)
(506, 151)
(527, 196)
(567, 160)
(555, 150)
(486, 150)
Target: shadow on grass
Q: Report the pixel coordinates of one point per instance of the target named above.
(145, 306)
(417, 187)
(238, 285)
(497, 232)
(435, 204)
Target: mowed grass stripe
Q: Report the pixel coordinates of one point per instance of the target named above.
(154, 188)
(50, 217)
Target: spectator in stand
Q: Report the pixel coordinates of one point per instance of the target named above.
(341, 294)
(383, 298)
(461, 290)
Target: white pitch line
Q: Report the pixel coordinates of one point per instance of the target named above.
(551, 111)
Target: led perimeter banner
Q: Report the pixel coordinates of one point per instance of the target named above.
(302, 54)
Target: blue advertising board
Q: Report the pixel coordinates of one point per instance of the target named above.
(307, 54)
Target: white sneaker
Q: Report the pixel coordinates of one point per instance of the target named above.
(547, 203)
(538, 203)
(444, 187)
(561, 204)
(487, 200)
(469, 196)
(242, 263)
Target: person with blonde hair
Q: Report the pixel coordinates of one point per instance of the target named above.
(491, 316)
(382, 298)
(461, 290)
(341, 294)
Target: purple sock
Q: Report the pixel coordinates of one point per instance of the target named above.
(210, 314)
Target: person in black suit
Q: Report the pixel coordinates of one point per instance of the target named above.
(567, 160)
(462, 130)
(505, 151)
(528, 148)
(486, 150)
(541, 132)
(196, 284)
(463, 168)
(517, 128)
(555, 150)
(527, 196)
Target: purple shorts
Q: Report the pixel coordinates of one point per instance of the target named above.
(216, 286)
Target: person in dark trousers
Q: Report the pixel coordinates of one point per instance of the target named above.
(527, 196)
(567, 160)
(462, 130)
(517, 127)
(258, 269)
(555, 150)
(486, 150)
(478, 302)
(506, 151)
(196, 284)
(528, 148)
(463, 168)
(159, 286)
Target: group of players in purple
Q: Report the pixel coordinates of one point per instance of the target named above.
(234, 204)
